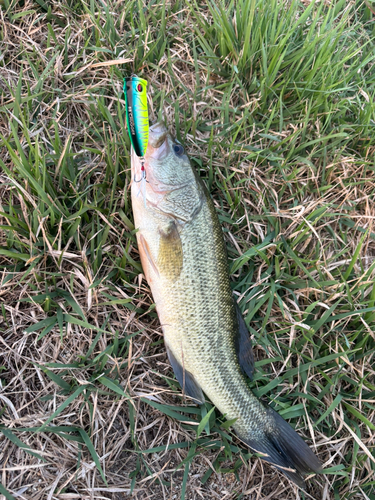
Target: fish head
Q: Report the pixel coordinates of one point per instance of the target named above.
(165, 162)
(166, 173)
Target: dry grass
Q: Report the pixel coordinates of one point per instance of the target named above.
(295, 199)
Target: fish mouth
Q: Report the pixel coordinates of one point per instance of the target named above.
(157, 135)
(157, 142)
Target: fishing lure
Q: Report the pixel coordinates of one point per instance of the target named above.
(135, 90)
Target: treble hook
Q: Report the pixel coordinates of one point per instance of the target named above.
(143, 172)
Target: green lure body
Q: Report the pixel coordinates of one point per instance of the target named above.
(135, 90)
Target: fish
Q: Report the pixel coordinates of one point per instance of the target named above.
(184, 260)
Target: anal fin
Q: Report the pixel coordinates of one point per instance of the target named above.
(243, 345)
(185, 379)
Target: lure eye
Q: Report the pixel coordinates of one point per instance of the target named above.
(178, 149)
(139, 87)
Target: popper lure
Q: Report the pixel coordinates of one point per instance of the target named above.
(135, 90)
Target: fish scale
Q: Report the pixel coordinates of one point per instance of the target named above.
(207, 313)
(184, 259)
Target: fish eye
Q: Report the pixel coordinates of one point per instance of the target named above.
(178, 149)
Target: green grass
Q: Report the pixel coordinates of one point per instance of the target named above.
(276, 109)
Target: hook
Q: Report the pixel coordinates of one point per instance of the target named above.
(143, 172)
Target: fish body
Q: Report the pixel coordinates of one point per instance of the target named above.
(185, 263)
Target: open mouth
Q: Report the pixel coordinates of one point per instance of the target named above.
(157, 135)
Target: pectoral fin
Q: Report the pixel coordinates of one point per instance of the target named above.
(170, 257)
(146, 255)
(185, 379)
(243, 346)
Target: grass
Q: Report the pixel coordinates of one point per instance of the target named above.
(276, 109)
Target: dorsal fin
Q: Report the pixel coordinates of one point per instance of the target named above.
(243, 345)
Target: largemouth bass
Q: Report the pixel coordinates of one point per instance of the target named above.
(184, 260)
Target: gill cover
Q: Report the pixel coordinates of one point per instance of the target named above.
(135, 90)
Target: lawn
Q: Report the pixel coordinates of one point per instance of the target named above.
(275, 104)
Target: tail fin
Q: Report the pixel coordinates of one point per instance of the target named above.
(285, 449)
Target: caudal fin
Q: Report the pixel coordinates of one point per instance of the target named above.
(285, 449)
